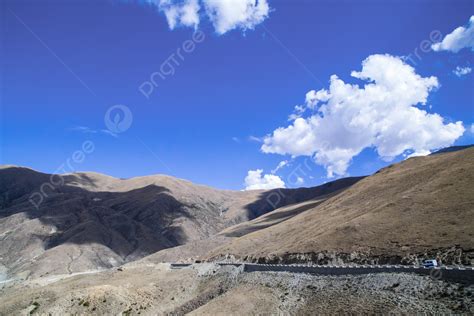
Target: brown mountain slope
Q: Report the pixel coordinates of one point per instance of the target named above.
(88, 221)
(196, 249)
(420, 207)
(275, 217)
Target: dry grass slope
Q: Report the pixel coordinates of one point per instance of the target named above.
(421, 206)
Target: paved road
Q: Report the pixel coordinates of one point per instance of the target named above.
(455, 274)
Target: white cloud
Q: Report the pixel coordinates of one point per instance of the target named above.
(314, 97)
(419, 153)
(282, 164)
(255, 181)
(255, 139)
(461, 71)
(296, 139)
(461, 37)
(472, 128)
(110, 133)
(298, 112)
(183, 14)
(83, 129)
(225, 15)
(383, 114)
(88, 130)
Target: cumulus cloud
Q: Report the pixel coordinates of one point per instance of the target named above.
(462, 71)
(383, 113)
(314, 97)
(256, 181)
(180, 14)
(225, 15)
(461, 37)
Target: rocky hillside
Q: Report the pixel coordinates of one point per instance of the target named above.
(85, 221)
(422, 207)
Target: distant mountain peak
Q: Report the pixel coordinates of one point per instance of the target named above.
(451, 149)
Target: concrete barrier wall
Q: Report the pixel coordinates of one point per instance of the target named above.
(453, 275)
(459, 275)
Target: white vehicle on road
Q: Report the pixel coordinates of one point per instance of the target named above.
(432, 263)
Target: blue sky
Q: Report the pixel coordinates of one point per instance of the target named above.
(65, 63)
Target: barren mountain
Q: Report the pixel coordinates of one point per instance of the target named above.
(83, 221)
(197, 249)
(423, 206)
(420, 207)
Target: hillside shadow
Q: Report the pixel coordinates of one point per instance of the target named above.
(132, 223)
(273, 199)
(139, 221)
(270, 219)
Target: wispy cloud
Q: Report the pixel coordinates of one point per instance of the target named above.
(83, 129)
(281, 165)
(107, 132)
(88, 130)
(255, 139)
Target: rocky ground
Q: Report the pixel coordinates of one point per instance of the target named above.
(206, 289)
